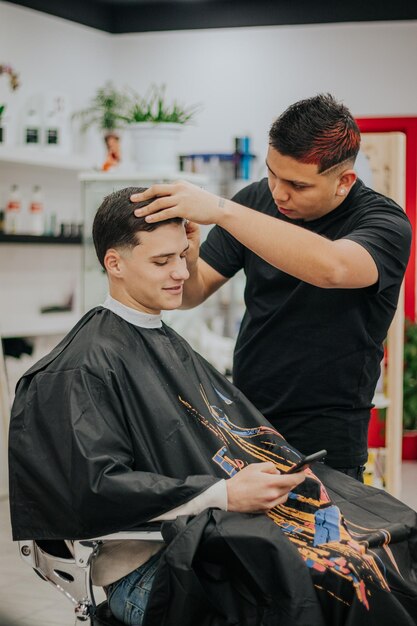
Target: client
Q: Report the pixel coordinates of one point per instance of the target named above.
(123, 423)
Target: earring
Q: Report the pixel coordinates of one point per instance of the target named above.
(342, 191)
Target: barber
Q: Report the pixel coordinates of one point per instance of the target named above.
(324, 258)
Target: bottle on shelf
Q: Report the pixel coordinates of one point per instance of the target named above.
(53, 125)
(13, 206)
(243, 158)
(36, 224)
(57, 131)
(32, 128)
(50, 225)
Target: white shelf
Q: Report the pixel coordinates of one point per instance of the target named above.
(129, 173)
(50, 158)
(38, 157)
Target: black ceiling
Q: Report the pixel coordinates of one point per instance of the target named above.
(133, 16)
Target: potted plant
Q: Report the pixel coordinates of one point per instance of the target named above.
(14, 84)
(155, 125)
(107, 110)
(410, 391)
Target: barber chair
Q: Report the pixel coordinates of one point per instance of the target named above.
(71, 574)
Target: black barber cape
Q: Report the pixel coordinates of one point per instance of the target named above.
(119, 424)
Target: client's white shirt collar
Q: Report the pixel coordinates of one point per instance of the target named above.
(133, 316)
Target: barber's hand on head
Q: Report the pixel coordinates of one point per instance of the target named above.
(180, 199)
(260, 487)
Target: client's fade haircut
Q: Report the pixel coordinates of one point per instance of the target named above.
(318, 130)
(115, 225)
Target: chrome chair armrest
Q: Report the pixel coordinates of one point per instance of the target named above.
(64, 574)
(71, 574)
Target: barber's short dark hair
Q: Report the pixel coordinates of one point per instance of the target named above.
(115, 225)
(318, 130)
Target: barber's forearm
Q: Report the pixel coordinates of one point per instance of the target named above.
(194, 289)
(203, 282)
(288, 247)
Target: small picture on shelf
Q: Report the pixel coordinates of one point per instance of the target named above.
(59, 308)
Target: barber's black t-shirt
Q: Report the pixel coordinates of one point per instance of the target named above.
(307, 357)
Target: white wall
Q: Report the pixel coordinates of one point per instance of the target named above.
(243, 77)
(52, 55)
(50, 52)
(246, 76)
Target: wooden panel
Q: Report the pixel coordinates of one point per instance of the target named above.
(386, 153)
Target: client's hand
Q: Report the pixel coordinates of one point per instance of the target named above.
(260, 487)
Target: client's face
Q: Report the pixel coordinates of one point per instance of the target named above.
(153, 273)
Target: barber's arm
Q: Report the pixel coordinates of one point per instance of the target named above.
(203, 280)
(292, 249)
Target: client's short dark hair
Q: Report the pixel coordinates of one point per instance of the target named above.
(115, 224)
(317, 130)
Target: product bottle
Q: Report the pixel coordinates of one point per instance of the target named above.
(13, 207)
(52, 129)
(32, 129)
(56, 130)
(36, 212)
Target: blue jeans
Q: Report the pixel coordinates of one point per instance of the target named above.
(128, 597)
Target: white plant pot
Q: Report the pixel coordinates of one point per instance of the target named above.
(155, 146)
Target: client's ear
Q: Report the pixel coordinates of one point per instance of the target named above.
(112, 262)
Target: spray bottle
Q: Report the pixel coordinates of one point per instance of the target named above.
(13, 206)
(36, 212)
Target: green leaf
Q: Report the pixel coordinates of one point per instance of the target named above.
(153, 108)
(108, 109)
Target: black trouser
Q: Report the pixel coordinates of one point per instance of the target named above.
(353, 472)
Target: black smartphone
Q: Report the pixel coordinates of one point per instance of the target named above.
(307, 460)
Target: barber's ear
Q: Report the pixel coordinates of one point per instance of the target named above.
(113, 263)
(346, 181)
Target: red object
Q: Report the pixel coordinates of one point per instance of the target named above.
(409, 445)
(376, 430)
(408, 126)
